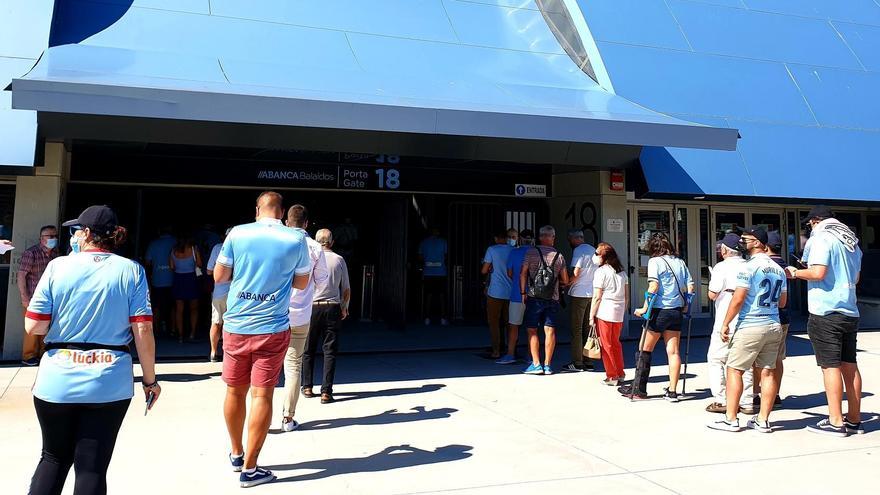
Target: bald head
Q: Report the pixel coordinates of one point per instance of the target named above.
(269, 205)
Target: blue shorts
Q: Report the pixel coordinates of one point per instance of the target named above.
(540, 312)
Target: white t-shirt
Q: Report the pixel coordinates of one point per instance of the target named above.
(613, 304)
(723, 282)
(582, 258)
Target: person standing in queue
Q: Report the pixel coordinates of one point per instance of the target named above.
(516, 307)
(498, 291)
(218, 302)
(261, 259)
(31, 267)
(300, 316)
(670, 280)
(581, 293)
(834, 264)
(610, 300)
(88, 305)
(542, 275)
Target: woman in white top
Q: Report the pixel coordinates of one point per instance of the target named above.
(610, 300)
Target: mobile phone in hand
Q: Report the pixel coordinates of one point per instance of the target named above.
(150, 399)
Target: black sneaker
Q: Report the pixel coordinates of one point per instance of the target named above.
(573, 368)
(587, 367)
(826, 428)
(777, 403)
(670, 395)
(626, 391)
(31, 362)
(853, 428)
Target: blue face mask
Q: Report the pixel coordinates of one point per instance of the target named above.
(74, 244)
(511, 242)
(51, 243)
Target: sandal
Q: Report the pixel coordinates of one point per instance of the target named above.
(307, 393)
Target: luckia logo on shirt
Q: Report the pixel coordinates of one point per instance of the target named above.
(85, 358)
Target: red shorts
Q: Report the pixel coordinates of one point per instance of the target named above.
(254, 359)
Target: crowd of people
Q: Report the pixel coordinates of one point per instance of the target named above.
(749, 288)
(278, 294)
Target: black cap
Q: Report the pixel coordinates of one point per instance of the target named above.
(774, 239)
(731, 240)
(99, 219)
(820, 211)
(758, 232)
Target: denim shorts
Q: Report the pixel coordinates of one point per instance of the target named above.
(665, 320)
(541, 312)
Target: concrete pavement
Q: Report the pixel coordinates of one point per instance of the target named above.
(453, 422)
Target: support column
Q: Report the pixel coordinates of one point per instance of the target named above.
(38, 202)
(585, 201)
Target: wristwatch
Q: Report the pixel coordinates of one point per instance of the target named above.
(151, 385)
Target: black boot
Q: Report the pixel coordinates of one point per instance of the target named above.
(640, 380)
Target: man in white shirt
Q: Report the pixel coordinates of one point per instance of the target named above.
(300, 315)
(722, 285)
(581, 292)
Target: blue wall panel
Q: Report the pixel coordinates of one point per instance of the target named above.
(758, 35)
(686, 83)
(798, 78)
(24, 34)
(862, 11)
(841, 98)
(864, 41)
(421, 19)
(501, 27)
(637, 22)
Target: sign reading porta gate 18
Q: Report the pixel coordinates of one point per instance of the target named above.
(363, 172)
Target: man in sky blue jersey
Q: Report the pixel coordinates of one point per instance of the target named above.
(760, 292)
(261, 259)
(834, 262)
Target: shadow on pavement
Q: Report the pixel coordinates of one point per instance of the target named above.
(812, 400)
(395, 457)
(391, 392)
(186, 377)
(388, 417)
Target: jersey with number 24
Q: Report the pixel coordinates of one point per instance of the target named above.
(766, 283)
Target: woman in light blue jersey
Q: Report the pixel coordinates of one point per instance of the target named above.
(671, 284)
(88, 305)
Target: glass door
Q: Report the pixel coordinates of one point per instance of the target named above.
(648, 221)
(725, 222)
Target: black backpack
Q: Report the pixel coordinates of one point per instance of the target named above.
(542, 285)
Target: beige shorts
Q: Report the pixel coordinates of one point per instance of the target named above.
(755, 346)
(515, 313)
(218, 309)
(781, 355)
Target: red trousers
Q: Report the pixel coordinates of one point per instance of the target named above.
(612, 351)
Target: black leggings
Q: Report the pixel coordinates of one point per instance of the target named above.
(82, 435)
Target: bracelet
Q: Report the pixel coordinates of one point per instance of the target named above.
(151, 385)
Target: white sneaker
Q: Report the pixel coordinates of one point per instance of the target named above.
(289, 425)
(725, 425)
(756, 424)
(427, 321)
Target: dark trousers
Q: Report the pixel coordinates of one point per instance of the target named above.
(82, 435)
(324, 327)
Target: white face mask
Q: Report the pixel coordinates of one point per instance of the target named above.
(597, 260)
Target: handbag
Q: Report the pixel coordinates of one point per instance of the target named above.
(195, 263)
(592, 347)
